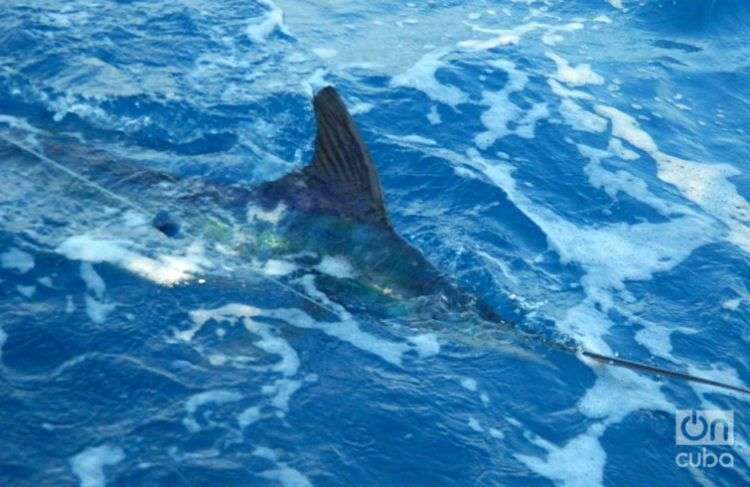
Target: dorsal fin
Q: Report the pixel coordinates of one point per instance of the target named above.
(342, 162)
(341, 180)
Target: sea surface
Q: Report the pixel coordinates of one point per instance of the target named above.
(582, 166)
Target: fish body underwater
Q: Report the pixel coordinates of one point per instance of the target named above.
(328, 218)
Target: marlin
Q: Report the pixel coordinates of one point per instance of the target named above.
(332, 206)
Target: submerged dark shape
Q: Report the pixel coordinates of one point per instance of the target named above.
(166, 223)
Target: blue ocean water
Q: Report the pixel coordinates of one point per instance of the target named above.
(581, 166)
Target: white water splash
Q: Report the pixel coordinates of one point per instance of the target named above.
(89, 464)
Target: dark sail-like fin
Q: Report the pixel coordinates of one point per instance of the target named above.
(341, 180)
(342, 160)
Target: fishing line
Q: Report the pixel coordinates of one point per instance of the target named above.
(72, 173)
(577, 351)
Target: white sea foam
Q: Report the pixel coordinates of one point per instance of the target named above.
(289, 363)
(216, 396)
(282, 473)
(505, 37)
(469, 384)
(249, 416)
(564, 92)
(336, 266)
(315, 82)
(229, 312)
(433, 116)
(474, 424)
(552, 39)
(93, 280)
(89, 464)
(485, 398)
(272, 216)
(580, 119)
(46, 281)
(91, 77)
(502, 111)
(616, 253)
(732, 304)
(163, 269)
(287, 477)
(706, 185)
(527, 123)
(617, 148)
(273, 20)
(587, 325)
(425, 344)
(709, 187)
(361, 107)
(413, 139)
(657, 338)
(278, 267)
(574, 75)
(17, 259)
(346, 329)
(234, 313)
(197, 401)
(421, 76)
(26, 291)
(620, 181)
(281, 392)
(578, 462)
(619, 392)
(495, 433)
(325, 52)
(97, 308)
(267, 453)
(626, 127)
